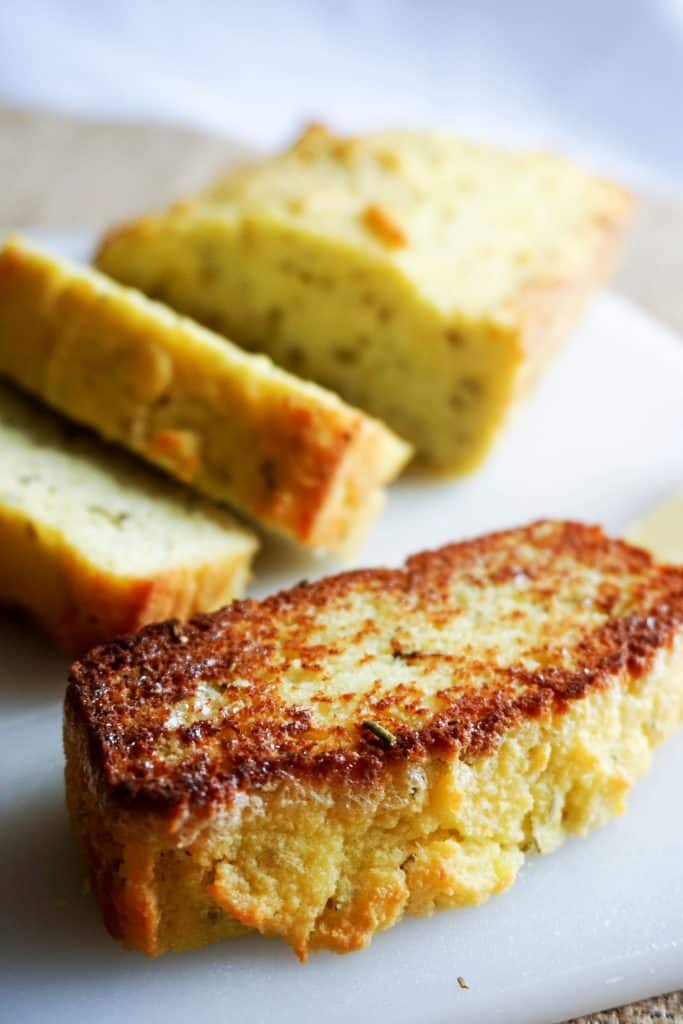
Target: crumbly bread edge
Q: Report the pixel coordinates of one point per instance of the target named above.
(334, 509)
(595, 735)
(166, 886)
(534, 323)
(80, 604)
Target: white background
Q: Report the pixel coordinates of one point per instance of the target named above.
(601, 79)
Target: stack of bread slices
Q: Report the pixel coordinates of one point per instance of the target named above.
(412, 280)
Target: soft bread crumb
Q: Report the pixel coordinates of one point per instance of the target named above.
(356, 261)
(94, 543)
(521, 682)
(231, 425)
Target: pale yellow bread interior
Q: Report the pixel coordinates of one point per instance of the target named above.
(424, 278)
(94, 543)
(231, 425)
(382, 742)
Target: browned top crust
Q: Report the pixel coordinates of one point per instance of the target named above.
(445, 654)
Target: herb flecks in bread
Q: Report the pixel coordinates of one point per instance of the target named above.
(230, 424)
(95, 543)
(424, 278)
(383, 742)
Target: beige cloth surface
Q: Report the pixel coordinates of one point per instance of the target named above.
(58, 172)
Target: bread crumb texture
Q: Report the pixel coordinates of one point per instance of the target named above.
(230, 782)
(424, 278)
(230, 424)
(95, 543)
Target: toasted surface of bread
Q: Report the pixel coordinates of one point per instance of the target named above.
(424, 278)
(317, 764)
(230, 424)
(94, 543)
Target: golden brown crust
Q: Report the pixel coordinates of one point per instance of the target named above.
(93, 545)
(119, 873)
(123, 693)
(382, 225)
(230, 425)
(86, 606)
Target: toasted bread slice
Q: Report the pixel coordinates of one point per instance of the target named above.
(424, 278)
(384, 741)
(229, 424)
(94, 543)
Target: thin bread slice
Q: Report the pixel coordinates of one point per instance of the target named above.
(381, 742)
(424, 278)
(95, 544)
(230, 424)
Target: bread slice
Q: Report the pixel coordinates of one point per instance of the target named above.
(94, 544)
(230, 424)
(424, 278)
(381, 742)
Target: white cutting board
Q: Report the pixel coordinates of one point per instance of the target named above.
(596, 924)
